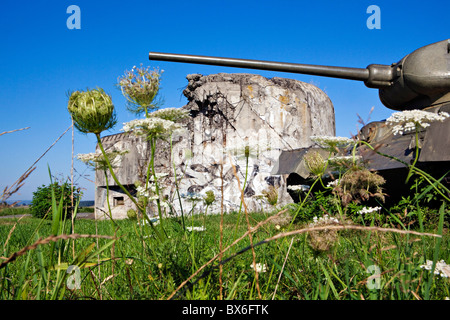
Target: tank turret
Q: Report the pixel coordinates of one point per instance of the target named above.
(420, 80)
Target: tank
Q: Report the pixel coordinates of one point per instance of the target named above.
(420, 80)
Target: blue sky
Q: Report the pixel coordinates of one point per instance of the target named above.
(41, 60)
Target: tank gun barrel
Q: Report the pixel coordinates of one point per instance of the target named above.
(374, 75)
(417, 81)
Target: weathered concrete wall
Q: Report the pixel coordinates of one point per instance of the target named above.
(229, 112)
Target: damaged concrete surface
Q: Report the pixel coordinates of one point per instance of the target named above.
(228, 112)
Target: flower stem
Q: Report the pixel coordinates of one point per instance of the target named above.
(176, 185)
(416, 156)
(152, 164)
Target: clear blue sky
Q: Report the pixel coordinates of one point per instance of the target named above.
(41, 60)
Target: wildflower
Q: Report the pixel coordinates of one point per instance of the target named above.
(196, 228)
(359, 185)
(129, 261)
(315, 163)
(331, 143)
(140, 87)
(259, 267)
(172, 114)
(97, 160)
(366, 210)
(412, 120)
(323, 240)
(298, 188)
(92, 111)
(154, 127)
(158, 176)
(441, 268)
(325, 220)
(192, 196)
(141, 191)
(244, 149)
(345, 161)
(332, 184)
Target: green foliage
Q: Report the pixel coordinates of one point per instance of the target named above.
(318, 204)
(41, 205)
(131, 214)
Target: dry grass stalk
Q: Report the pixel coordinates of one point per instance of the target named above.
(248, 229)
(5, 132)
(221, 235)
(347, 227)
(47, 240)
(296, 232)
(11, 231)
(9, 191)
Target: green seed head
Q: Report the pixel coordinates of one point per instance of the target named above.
(92, 111)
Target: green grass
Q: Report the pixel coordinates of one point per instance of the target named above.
(145, 268)
(14, 211)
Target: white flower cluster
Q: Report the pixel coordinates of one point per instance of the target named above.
(410, 120)
(192, 196)
(97, 158)
(246, 149)
(369, 210)
(153, 126)
(332, 142)
(332, 184)
(298, 188)
(196, 228)
(259, 267)
(441, 268)
(142, 192)
(326, 219)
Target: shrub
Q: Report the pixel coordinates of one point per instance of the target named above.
(131, 214)
(41, 205)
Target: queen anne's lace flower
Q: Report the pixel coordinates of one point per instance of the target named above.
(259, 267)
(344, 160)
(298, 188)
(172, 114)
(153, 126)
(88, 157)
(325, 220)
(140, 87)
(330, 142)
(97, 160)
(412, 120)
(332, 184)
(246, 149)
(196, 228)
